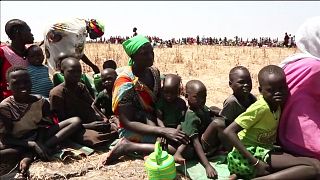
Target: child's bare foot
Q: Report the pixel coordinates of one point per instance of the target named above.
(115, 153)
(179, 159)
(233, 177)
(24, 165)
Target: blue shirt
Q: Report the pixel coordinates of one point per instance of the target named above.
(41, 83)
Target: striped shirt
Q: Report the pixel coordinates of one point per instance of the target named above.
(41, 83)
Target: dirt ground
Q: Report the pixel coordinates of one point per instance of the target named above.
(128, 168)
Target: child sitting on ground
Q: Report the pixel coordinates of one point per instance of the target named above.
(24, 120)
(72, 99)
(97, 77)
(170, 107)
(109, 64)
(254, 132)
(58, 77)
(237, 103)
(41, 83)
(103, 101)
(201, 126)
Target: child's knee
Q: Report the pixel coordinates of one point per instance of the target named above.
(218, 123)
(75, 121)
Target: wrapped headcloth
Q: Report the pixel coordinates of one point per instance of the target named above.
(96, 27)
(132, 45)
(307, 37)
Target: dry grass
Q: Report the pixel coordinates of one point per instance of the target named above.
(210, 64)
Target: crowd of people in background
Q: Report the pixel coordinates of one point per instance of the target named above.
(288, 41)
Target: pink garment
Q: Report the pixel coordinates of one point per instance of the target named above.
(8, 58)
(299, 128)
(13, 58)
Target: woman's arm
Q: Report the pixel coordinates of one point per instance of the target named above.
(126, 116)
(87, 61)
(160, 118)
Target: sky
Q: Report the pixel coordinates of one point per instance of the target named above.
(167, 19)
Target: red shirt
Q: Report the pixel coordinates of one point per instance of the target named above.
(8, 58)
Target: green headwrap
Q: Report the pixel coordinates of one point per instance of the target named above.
(132, 45)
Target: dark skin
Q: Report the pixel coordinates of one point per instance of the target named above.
(170, 93)
(20, 85)
(87, 61)
(143, 59)
(71, 70)
(108, 77)
(281, 165)
(196, 95)
(241, 84)
(35, 56)
(20, 38)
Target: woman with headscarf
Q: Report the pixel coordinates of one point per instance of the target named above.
(134, 94)
(68, 37)
(14, 54)
(299, 127)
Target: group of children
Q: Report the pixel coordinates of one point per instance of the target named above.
(39, 118)
(245, 128)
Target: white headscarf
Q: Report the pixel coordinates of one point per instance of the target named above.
(307, 40)
(73, 32)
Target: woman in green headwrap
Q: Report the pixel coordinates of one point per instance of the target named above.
(134, 94)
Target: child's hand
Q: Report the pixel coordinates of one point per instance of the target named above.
(211, 172)
(262, 168)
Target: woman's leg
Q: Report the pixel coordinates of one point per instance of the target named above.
(59, 132)
(10, 154)
(124, 147)
(287, 166)
(9, 157)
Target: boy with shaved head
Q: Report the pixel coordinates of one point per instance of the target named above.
(241, 84)
(103, 100)
(171, 107)
(201, 126)
(72, 99)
